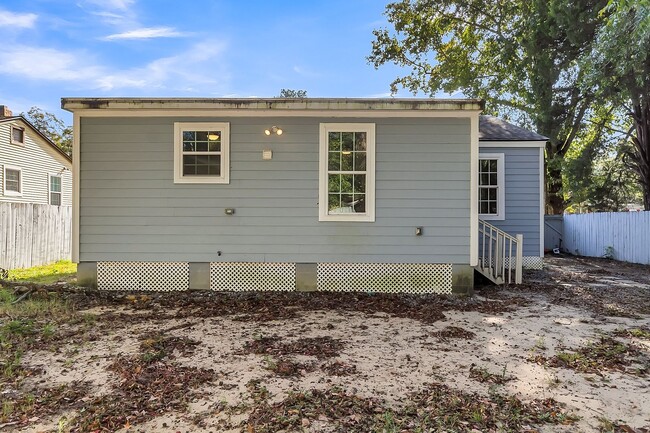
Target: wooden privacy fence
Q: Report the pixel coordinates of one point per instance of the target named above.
(620, 235)
(34, 234)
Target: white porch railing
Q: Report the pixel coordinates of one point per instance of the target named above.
(500, 254)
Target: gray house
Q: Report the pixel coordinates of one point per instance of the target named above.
(32, 168)
(397, 195)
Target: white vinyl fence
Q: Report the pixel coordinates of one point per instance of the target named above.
(622, 235)
(34, 234)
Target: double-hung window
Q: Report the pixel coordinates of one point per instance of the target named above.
(13, 181)
(201, 152)
(347, 172)
(491, 186)
(55, 189)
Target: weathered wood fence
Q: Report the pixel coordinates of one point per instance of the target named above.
(34, 234)
(623, 235)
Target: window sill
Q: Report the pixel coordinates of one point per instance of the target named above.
(201, 180)
(13, 194)
(485, 217)
(348, 218)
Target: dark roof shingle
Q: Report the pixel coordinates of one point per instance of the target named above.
(492, 128)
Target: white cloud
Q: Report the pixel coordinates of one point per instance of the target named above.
(112, 4)
(199, 67)
(146, 33)
(16, 20)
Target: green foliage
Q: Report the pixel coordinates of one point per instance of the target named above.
(291, 93)
(619, 67)
(520, 56)
(63, 270)
(52, 127)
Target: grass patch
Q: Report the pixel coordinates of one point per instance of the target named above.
(42, 402)
(482, 375)
(63, 270)
(640, 333)
(604, 354)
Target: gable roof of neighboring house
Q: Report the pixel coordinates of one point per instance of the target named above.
(494, 129)
(39, 133)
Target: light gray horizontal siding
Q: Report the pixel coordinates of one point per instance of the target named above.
(37, 160)
(130, 209)
(522, 195)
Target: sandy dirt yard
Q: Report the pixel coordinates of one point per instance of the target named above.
(568, 351)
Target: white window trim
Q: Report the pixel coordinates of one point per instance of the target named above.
(369, 129)
(11, 135)
(4, 181)
(49, 187)
(179, 127)
(501, 183)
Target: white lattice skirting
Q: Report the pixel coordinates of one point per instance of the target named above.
(528, 262)
(385, 277)
(252, 276)
(150, 276)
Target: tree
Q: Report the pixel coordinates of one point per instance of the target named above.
(290, 93)
(620, 65)
(595, 173)
(52, 127)
(521, 56)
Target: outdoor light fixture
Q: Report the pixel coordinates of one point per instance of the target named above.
(213, 136)
(273, 130)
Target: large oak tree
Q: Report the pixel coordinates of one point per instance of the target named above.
(521, 56)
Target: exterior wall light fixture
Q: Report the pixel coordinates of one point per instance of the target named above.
(273, 130)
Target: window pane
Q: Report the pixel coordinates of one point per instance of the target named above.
(17, 135)
(55, 184)
(359, 183)
(493, 165)
(214, 146)
(346, 161)
(360, 203)
(346, 182)
(334, 139)
(360, 161)
(347, 201)
(12, 182)
(189, 136)
(334, 183)
(493, 207)
(493, 193)
(347, 141)
(201, 146)
(483, 207)
(55, 198)
(334, 202)
(483, 194)
(201, 135)
(188, 146)
(493, 179)
(484, 179)
(484, 164)
(201, 165)
(360, 141)
(334, 161)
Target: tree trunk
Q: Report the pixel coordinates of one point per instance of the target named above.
(641, 154)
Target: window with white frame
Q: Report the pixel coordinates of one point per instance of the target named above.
(55, 189)
(347, 172)
(491, 186)
(17, 135)
(201, 152)
(13, 181)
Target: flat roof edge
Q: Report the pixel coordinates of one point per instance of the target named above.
(298, 104)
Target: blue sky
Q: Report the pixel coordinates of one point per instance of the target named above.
(221, 48)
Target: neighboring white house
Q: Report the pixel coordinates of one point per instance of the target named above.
(32, 168)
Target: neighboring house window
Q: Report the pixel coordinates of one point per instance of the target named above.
(13, 178)
(17, 135)
(55, 189)
(491, 186)
(201, 152)
(347, 172)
